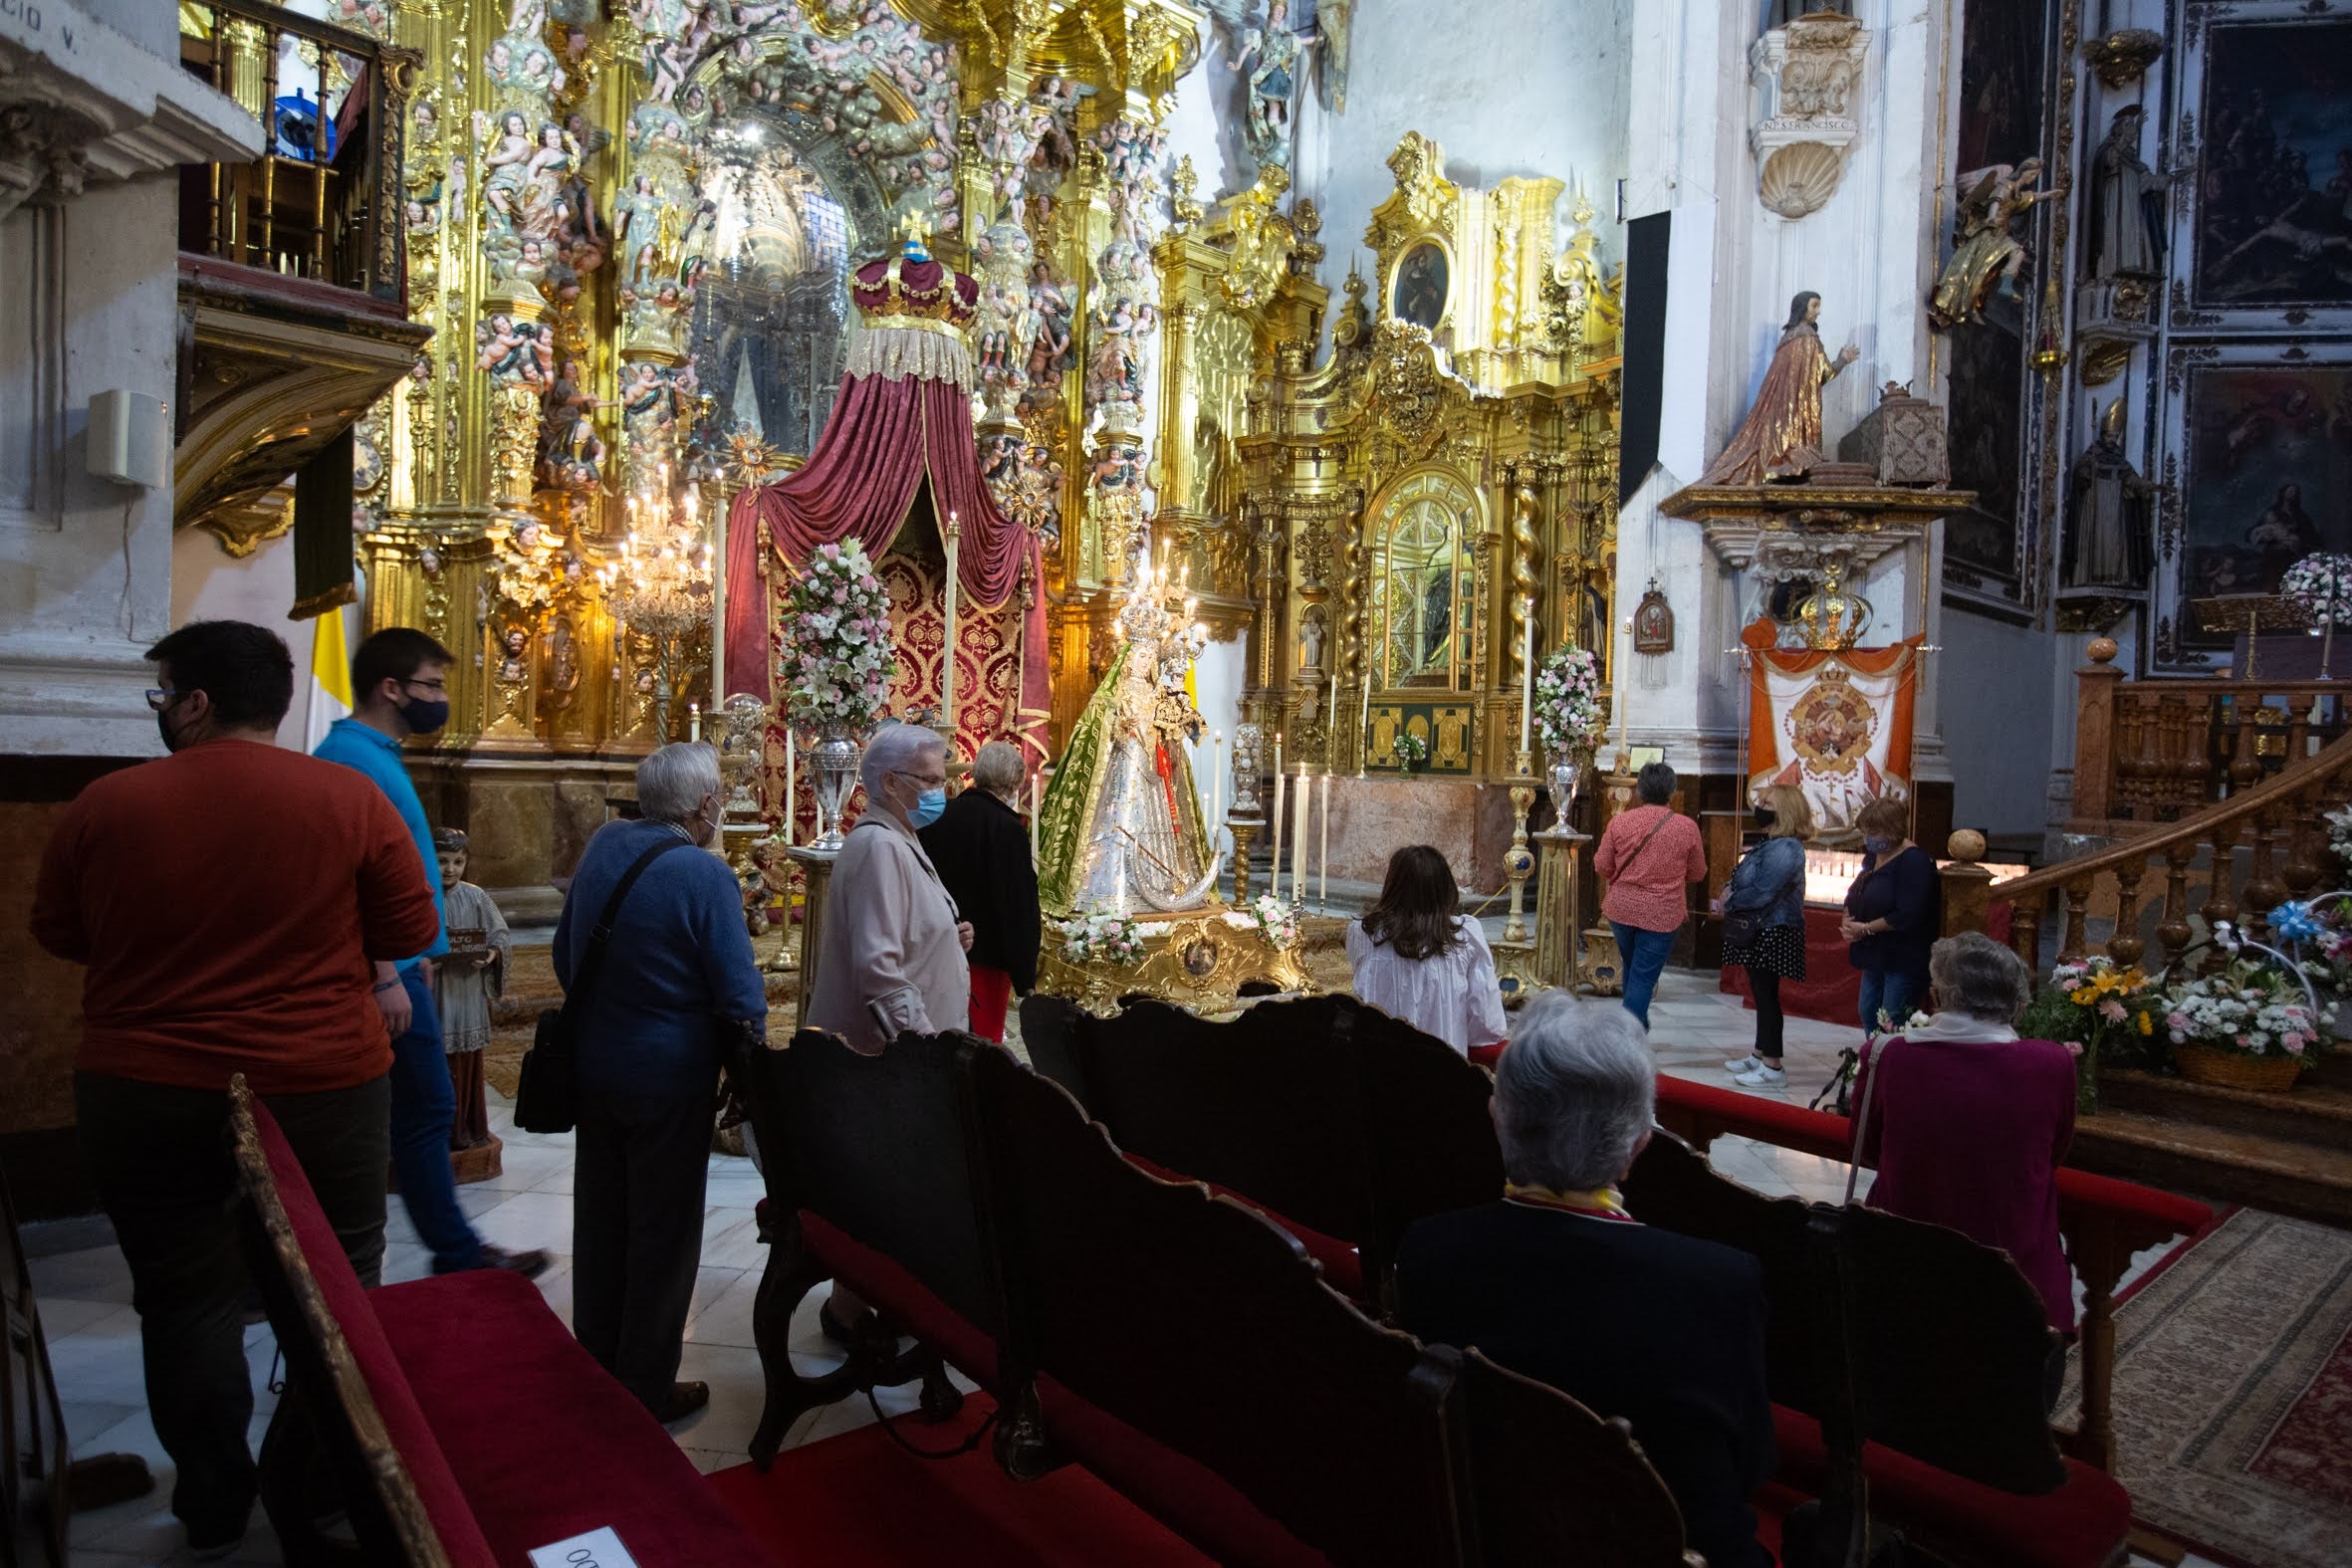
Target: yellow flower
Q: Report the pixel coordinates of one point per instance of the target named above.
(2085, 997)
(2147, 1023)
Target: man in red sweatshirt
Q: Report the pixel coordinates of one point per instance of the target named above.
(230, 901)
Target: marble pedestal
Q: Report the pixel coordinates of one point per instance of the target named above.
(1467, 820)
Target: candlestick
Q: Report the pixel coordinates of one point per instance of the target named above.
(1298, 837)
(1322, 858)
(1275, 860)
(947, 664)
(1526, 672)
(792, 822)
(694, 720)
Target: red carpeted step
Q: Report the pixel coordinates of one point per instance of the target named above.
(860, 1500)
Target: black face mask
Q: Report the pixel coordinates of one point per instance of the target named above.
(1764, 816)
(164, 726)
(423, 718)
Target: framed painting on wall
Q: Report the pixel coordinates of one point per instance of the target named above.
(2260, 448)
(2267, 215)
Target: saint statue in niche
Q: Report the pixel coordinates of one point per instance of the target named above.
(2126, 227)
(1781, 440)
(1420, 293)
(2111, 539)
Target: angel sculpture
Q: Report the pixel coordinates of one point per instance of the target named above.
(1985, 254)
(1269, 63)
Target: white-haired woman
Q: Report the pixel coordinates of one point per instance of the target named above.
(893, 959)
(1558, 1282)
(981, 849)
(652, 1012)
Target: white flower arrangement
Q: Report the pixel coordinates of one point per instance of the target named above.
(1568, 713)
(2248, 1009)
(1099, 935)
(1270, 918)
(2322, 584)
(2339, 833)
(838, 657)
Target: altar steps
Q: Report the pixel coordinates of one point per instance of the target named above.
(2287, 1154)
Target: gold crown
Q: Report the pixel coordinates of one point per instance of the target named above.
(904, 290)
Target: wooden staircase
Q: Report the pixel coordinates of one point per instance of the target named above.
(2152, 898)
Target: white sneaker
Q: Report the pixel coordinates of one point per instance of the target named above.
(1765, 1077)
(1748, 1063)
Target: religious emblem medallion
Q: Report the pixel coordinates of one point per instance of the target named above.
(1653, 622)
(1831, 724)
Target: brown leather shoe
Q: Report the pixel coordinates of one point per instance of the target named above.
(528, 1264)
(685, 1399)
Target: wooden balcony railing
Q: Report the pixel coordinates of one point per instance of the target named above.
(323, 201)
(2235, 860)
(2149, 752)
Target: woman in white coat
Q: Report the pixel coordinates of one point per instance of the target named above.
(1418, 957)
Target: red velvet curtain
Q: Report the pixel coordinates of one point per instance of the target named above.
(882, 440)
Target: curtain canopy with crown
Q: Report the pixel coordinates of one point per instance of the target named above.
(902, 419)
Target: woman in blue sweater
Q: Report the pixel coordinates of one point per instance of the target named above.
(1764, 925)
(676, 982)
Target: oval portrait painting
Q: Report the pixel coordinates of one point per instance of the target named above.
(1419, 296)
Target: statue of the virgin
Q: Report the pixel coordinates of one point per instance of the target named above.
(1781, 439)
(1120, 828)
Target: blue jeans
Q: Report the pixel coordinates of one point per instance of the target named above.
(422, 1103)
(1644, 953)
(1891, 992)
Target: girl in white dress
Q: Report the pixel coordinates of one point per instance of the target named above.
(1417, 957)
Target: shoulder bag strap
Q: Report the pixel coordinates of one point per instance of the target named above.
(600, 933)
(1655, 828)
(1878, 1069)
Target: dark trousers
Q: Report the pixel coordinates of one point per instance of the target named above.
(1771, 1023)
(637, 1233)
(159, 1158)
(422, 1104)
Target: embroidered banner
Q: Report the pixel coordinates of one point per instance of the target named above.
(1836, 725)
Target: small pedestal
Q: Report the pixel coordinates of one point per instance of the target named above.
(1555, 907)
(1245, 832)
(479, 1164)
(816, 874)
(1194, 958)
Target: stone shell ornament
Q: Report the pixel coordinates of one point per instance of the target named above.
(1799, 178)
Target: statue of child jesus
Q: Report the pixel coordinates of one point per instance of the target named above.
(464, 983)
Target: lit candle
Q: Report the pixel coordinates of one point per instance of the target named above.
(1322, 858)
(1305, 805)
(694, 720)
(1526, 672)
(791, 820)
(1275, 858)
(1036, 785)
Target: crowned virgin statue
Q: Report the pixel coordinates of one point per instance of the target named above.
(1120, 829)
(1781, 440)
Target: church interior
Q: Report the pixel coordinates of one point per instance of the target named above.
(1813, 514)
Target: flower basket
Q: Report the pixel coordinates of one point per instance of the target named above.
(2100, 1010)
(2230, 1071)
(1412, 751)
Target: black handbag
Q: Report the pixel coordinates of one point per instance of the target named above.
(547, 1100)
(1741, 927)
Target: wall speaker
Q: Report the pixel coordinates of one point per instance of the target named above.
(131, 439)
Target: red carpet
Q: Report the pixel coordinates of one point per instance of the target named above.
(860, 1500)
(1831, 991)
(2311, 1448)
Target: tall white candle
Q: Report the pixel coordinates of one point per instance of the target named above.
(1322, 858)
(1527, 673)
(1274, 858)
(1036, 797)
(791, 820)
(718, 559)
(694, 720)
(1216, 785)
(1299, 838)
(947, 664)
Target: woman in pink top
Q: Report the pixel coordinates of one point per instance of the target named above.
(1648, 854)
(1967, 1123)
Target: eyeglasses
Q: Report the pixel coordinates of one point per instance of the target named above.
(161, 697)
(431, 686)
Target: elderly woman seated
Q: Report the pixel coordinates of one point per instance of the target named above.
(1967, 1123)
(1556, 1281)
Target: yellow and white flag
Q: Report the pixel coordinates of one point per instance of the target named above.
(331, 677)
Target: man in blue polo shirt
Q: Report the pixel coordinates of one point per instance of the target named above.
(399, 685)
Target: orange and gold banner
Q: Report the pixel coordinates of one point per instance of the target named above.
(1836, 725)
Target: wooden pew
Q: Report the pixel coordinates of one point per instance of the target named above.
(1907, 1366)
(890, 1201)
(1324, 1110)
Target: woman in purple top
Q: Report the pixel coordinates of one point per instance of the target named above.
(1967, 1123)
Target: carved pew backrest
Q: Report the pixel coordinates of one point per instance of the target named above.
(1202, 1326)
(879, 1146)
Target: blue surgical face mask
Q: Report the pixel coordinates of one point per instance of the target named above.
(1877, 846)
(929, 806)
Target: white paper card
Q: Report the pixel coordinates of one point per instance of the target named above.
(596, 1549)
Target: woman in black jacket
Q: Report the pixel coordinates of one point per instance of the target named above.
(1891, 917)
(980, 847)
